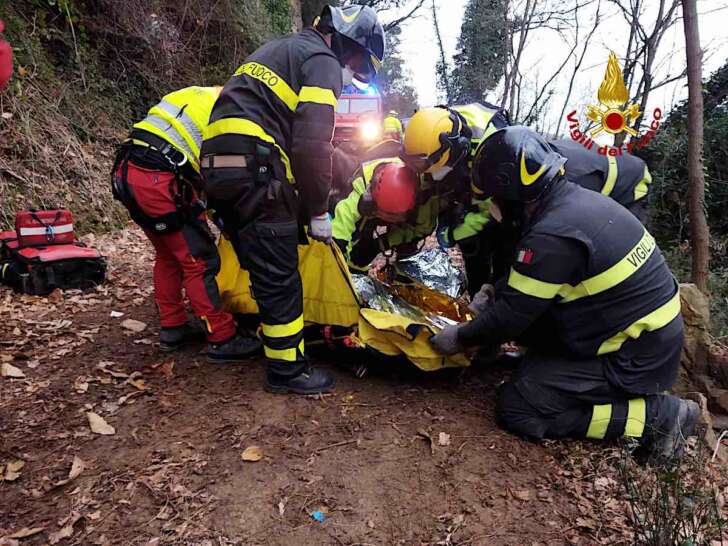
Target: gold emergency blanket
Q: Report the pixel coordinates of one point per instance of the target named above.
(330, 298)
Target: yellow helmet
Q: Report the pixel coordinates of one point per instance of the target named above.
(435, 137)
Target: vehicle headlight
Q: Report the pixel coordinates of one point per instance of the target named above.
(370, 130)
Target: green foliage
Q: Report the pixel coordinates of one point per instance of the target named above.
(482, 49)
(280, 16)
(394, 81)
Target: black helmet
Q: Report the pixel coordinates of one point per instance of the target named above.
(515, 164)
(355, 29)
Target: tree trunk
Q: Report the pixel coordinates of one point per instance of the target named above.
(699, 234)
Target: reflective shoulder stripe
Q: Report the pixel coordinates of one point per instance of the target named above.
(619, 272)
(643, 186)
(181, 120)
(636, 416)
(164, 129)
(283, 330)
(611, 176)
(319, 95)
(246, 127)
(271, 80)
(534, 287)
(655, 320)
(601, 415)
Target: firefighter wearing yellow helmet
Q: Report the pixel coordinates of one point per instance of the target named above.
(392, 126)
(441, 142)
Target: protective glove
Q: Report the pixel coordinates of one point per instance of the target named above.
(320, 228)
(446, 342)
(483, 299)
(443, 237)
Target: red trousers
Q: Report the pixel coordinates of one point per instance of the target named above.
(187, 259)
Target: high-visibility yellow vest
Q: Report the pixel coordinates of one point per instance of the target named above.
(392, 125)
(478, 118)
(181, 118)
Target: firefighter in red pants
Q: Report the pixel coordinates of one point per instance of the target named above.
(155, 176)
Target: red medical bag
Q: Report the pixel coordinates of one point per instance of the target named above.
(44, 227)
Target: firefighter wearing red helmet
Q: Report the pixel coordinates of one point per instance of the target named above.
(384, 192)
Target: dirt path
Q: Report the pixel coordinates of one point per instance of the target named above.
(397, 457)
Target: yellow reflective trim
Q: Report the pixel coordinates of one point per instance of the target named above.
(534, 287)
(636, 416)
(475, 189)
(619, 272)
(283, 330)
(287, 355)
(271, 80)
(319, 95)
(526, 177)
(246, 127)
(5, 267)
(611, 175)
(642, 186)
(601, 415)
(655, 320)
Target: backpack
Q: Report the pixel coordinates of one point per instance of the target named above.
(42, 255)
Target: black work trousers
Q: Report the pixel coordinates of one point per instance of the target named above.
(605, 397)
(262, 224)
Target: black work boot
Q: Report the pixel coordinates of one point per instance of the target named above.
(667, 445)
(172, 338)
(237, 349)
(310, 381)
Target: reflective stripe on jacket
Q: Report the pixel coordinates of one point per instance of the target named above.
(284, 95)
(180, 118)
(590, 269)
(624, 178)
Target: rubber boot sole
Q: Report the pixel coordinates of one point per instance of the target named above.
(276, 389)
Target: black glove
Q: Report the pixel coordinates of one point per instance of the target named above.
(483, 299)
(446, 342)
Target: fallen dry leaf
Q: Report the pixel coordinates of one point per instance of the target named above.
(522, 495)
(93, 516)
(138, 384)
(252, 454)
(282, 506)
(443, 439)
(426, 435)
(56, 296)
(136, 326)
(26, 532)
(81, 385)
(8, 370)
(5, 541)
(13, 470)
(165, 368)
(99, 425)
(64, 532)
(78, 466)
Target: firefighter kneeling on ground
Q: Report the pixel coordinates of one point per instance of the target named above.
(384, 193)
(269, 140)
(155, 176)
(591, 297)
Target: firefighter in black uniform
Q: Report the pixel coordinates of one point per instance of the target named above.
(266, 162)
(625, 178)
(590, 295)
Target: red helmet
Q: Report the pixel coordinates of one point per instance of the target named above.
(395, 188)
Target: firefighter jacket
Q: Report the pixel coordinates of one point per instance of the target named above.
(355, 226)
(283, 96)
(472, 214)
(590, 271)
(180, 119)
(624, 178)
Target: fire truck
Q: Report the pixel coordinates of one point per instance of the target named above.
(359, 118)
